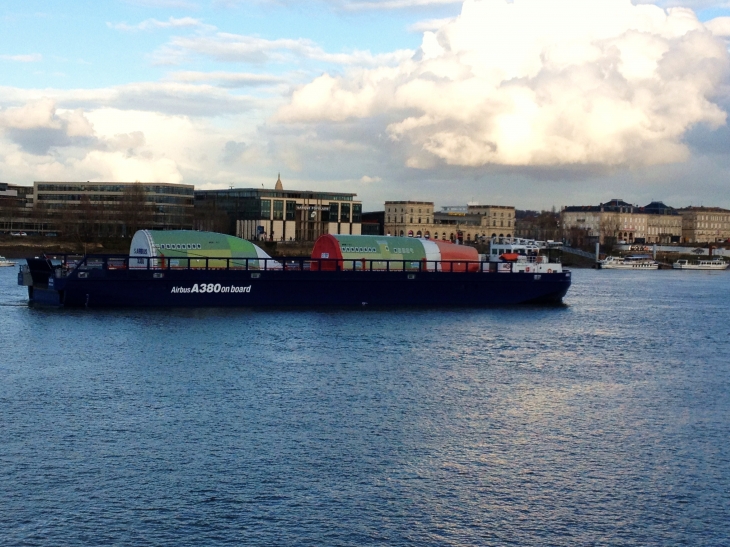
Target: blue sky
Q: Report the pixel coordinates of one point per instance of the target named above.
(527, 103)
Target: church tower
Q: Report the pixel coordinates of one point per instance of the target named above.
(278, 186)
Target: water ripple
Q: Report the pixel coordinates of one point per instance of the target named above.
(602, 422)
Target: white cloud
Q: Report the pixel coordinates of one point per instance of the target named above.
(349, 5)
(226, 79)
(369, 180)
(29, 58)
(396, 4)
(719, 26)
(540, 83)
(430, 24)
(154, 24)
(41, 141)
(38, 126)
(117, 166)
(693, 4)
(182, 4)
(168, 97)
(237, 48)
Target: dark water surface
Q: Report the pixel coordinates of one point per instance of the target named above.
(603, 422)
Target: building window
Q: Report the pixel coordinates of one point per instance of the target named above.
(334, 212)
(345, 212)
(356, 212)
(291, 210)
(278, 209)
(266, 209)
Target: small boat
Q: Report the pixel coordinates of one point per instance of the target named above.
(635, 262)
(5, 262)
(715, 264)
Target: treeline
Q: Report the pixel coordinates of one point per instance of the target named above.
(539, 225)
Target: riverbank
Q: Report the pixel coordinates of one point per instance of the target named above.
(24, 246)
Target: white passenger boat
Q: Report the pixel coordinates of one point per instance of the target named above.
(520, 255)
(715, 264)
(636, 262)
(5, 262)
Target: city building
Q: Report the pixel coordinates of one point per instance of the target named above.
(663, 223)
(113, 208)
(617, 221)
(373, 223)
(277, 214)
(467, 223)
(14, 215)
(408, 218)
(95, 209)
(705, 224)
(12, 195)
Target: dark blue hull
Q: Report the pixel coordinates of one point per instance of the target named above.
(303, 289)
(286, 288)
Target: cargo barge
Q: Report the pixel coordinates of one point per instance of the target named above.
(205, 269)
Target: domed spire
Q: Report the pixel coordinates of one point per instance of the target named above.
(278, 186)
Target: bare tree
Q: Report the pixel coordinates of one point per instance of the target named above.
(609, 228)
(209, 217)
(134, 211)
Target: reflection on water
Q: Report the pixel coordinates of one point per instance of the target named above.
(604, 421)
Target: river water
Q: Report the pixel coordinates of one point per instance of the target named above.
(602, 422)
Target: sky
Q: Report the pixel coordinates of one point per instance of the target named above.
(530, 103)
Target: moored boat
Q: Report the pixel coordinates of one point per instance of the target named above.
(204, 269)
(714, 264)
(635, 262)
(5, 262)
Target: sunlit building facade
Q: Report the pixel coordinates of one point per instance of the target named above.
(282, 215)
